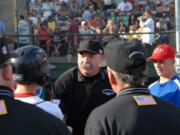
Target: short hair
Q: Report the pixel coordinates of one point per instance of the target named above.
(133, 79)
(21, 16)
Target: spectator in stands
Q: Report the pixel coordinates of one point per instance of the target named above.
(110, 27)
(147, 25)
(56, 41)
(2, 28)
(150, 4)
(86, 15)
(84, 29)
(73, 38)
(56, 5)
(51, 24)
(44, 41)
(160, 37)
(132, 29)
(35, 7)
(26, 5)
(46, 10)
(125, 6)
(24, 31)
(108, 4)
(64, 1)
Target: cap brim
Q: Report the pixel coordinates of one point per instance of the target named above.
(151, 58)
(48, 68)
(51, 67)
(87, 51)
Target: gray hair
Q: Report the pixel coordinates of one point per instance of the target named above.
(133, 79)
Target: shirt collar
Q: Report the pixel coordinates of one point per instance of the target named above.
(6, 91)
(133, 90)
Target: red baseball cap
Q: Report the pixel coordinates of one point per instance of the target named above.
(162, 52)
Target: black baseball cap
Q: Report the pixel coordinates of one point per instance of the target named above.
(91, 46)
(125, 56)
(5, 53)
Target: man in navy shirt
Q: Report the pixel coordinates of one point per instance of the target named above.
(83, 88)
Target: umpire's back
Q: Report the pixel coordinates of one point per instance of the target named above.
(26, 119)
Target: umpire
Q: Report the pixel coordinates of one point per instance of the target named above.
(134, 111)
(83, 88)
(16, 117)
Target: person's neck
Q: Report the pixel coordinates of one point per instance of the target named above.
(164, 79)
(29, 88)
(119, 87)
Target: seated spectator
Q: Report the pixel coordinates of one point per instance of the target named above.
(51, 24)
(108, 4)
(121, 29)
(125, 18)
(110, 27)
(47, 12)
(35, 7)
(150, 4)
(56, 41)
(61, 20)
(136, 12)
(132, 29)
(159, 11)
(84, 29)
(64, 1)
(55, 5)
(125, 6)
(160, 38)
(93, 22)
(86, 15)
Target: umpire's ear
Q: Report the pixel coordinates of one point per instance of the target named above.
(112, 79)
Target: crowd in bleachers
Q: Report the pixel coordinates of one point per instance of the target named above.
(89, 17)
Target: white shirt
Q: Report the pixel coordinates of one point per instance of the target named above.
(108, 2)
(23, 29)
(149, 23)
(147, 38)
(44, 105)
(46, 10)
(125, 6)
(148, 27)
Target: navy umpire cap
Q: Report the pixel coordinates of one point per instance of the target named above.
(5, 53)
(91, 46)
(125, 56)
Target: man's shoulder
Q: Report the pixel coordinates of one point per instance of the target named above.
(34, 115)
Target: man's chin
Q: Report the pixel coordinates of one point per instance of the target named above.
(86, 73)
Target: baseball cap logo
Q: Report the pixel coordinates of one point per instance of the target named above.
(100, 51)
(159, 51)
(136, 53)
(4, 50)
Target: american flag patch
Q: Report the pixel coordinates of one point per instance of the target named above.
(144, 100)
(3, 109)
